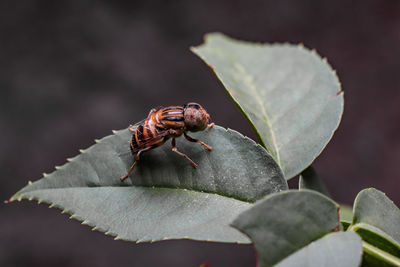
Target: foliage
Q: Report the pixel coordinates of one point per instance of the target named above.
(290, 96)
(165, 198)
(292, 99)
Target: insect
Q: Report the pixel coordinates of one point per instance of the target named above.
(164, 123)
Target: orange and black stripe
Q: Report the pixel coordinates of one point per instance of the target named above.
(171, 117)
(150, 132)
(172, 113)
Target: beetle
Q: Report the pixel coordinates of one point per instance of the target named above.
(164, 123)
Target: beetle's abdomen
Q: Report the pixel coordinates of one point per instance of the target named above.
(145, 137)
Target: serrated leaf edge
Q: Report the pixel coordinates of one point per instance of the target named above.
(115, 236)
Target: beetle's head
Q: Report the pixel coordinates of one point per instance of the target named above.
(196, 117)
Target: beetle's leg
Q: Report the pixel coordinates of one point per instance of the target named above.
(196, 141)
(131, 168)
(180, 153)
(137, 157)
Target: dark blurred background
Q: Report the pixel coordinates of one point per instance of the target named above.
(70, 71)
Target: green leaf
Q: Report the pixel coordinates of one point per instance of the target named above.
(374, 256)
(290, 96)
(342, 249)
(285, 222)
(309, 180)
(165, 197)
(346, 215)
(374, 208)
(376, 219)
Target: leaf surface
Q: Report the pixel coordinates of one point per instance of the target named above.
(165, 197)
(335, 249)
(285, 222)
(290, 96)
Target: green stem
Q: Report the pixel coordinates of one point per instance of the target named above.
(380, 254)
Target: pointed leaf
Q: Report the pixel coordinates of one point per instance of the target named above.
(290, 96)
(165, 197)
(336, 249)
(285, 222)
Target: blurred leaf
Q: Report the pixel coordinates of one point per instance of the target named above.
(310, 180)
(165, 197)
(377, 220)
(346, 215)
(285, 222)
(374, 256)
(290, 95)
(342, 249)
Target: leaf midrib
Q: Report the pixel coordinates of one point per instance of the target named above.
(18, 196)
(266, 119)
(249, 80)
